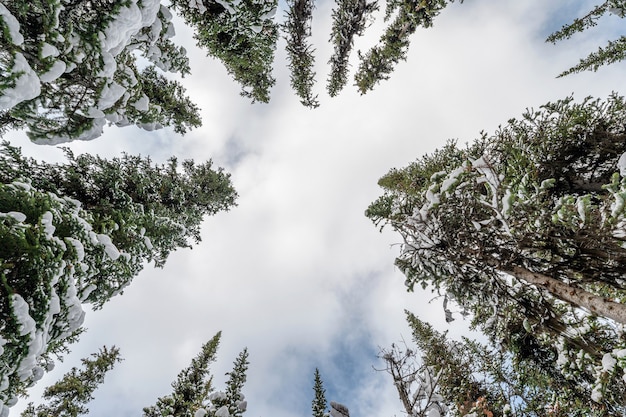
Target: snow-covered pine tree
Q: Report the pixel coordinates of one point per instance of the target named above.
(296, 29)
(380, 61)
(69, 68)
(350, 18)
(193, 394)
(79, 233)
(69, 396)
(318, 405)
(241, 34)
(525, 230)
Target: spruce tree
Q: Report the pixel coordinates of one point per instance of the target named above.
(78, 233)
(524, 230)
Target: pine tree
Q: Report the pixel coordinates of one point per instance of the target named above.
(69, 396)
(297, 28)
(241, 34)
(379, 62)
(349, 20)
(524, 230)
(79, 233)
(69, 68)
(318, 405)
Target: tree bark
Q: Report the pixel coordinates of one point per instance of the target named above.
(597, 305)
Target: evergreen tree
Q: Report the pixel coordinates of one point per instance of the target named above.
(349, 20)
(69, 396)
(297, 29)
(193, 394)
(241, 34)
(614, 51)
(69, 68)
(468, 376)
(191, 388)
(79, 233)
(319, 402)
(379, 62)
(524, 230)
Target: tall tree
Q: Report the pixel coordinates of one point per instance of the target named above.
(297, 28)
(525, 229)
(350, 19)
(69, 396)
(79, 233)
(69, 68)
(241, 34)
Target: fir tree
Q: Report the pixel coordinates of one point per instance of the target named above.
(69, 396)
(79, 233)
(524, 230)
(69, 68)
(241, 34)
(297, 29)
(349, 20)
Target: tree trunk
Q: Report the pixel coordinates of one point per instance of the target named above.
(597, 305)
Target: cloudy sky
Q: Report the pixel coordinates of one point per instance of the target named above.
(296, 272)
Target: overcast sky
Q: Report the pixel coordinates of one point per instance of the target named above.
(296, 272)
